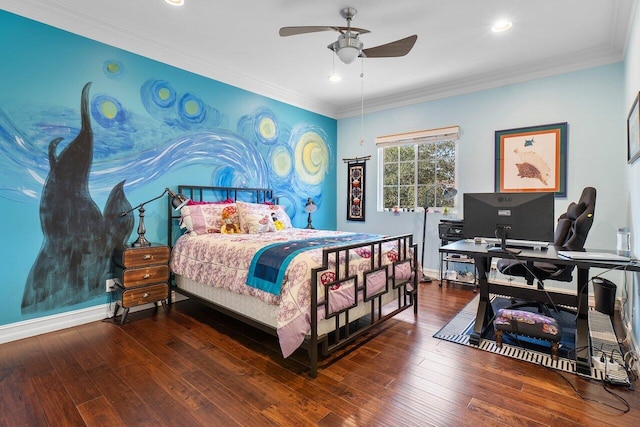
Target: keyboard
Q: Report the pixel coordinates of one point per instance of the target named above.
(515, 243)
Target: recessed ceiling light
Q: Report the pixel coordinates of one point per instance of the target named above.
(501, 26)
(334, 77)
(175, 2)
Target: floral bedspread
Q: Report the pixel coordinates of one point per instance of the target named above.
(223, 260)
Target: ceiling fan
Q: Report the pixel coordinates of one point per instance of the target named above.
(348, 46)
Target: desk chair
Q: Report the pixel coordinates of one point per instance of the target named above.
(570, 234)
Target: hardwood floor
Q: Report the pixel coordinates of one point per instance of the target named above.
(196, 367)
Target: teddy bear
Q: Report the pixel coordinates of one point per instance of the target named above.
(229, 227)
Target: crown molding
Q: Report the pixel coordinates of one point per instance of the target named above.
(491, 80)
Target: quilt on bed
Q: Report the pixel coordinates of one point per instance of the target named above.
(270, 263)
(224, 260)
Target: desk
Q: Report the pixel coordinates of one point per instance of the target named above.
(478, 251)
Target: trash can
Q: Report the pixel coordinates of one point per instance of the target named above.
(604, 292)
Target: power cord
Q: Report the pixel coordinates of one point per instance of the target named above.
(110, 319)
(627, 406)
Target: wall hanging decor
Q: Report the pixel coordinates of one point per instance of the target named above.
(532, 158)
(356, 173)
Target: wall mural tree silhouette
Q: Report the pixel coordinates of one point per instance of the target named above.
(75, 256)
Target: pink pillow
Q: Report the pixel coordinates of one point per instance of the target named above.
(207, 218)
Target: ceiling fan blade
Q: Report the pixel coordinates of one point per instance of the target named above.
(293, 31)
(397, 48)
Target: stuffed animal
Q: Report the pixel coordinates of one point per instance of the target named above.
(229, 227)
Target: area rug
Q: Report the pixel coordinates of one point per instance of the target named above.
(603, 340)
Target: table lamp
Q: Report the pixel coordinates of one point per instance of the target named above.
(177, 201)
(310, 208)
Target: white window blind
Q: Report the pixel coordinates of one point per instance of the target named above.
(450, 133)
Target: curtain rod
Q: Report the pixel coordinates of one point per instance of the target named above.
(357, 159)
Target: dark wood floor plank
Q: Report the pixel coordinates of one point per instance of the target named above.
(197, 367)
(99, 412)
(227, 403)
(163, 404)
(19, 402)
(27, 353)
(61, 355)
(500, 413)
(126, 403)
(56, 404)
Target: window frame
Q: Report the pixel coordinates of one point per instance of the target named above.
(416, 139)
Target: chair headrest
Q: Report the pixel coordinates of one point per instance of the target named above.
(575, 210)
(575, 223)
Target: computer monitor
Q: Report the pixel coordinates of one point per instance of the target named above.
(519, 216)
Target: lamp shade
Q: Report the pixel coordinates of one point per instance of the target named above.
(310, 207)
(178, 200)
(348, 54)
(449, 193)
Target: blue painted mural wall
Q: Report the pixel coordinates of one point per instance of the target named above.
(153, 126)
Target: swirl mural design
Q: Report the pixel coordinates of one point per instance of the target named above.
(263, 152)
(129, 148)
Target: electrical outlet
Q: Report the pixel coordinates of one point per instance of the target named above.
(111, 285)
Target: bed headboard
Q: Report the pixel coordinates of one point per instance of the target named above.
(201, 193)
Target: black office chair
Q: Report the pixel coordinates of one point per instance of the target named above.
(570, 234)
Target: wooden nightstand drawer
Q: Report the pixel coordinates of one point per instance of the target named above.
(132, 277)
(142, 274)
(136, 257)
(144, 295)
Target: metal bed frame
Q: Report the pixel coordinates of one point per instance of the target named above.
(346, 330)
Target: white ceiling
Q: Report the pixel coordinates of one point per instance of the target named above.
(237, 42)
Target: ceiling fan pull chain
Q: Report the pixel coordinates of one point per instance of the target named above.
(361, 101)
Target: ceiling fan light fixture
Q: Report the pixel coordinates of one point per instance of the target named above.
(347, 47)
(348, 54)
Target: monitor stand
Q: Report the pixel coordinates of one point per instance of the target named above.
(502, 231)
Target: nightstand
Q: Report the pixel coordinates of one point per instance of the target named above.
(141, 275)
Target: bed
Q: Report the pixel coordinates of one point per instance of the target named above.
(317, 289)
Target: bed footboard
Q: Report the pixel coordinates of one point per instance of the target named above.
(400, 278)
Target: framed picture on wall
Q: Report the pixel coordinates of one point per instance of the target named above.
(532, 158)
(633, 132)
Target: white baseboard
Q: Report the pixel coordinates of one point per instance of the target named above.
(55, 322)
(42, 325)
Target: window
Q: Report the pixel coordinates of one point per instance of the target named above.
(416, 167)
